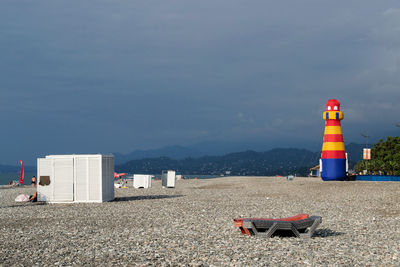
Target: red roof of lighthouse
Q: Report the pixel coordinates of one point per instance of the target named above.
(331, 104)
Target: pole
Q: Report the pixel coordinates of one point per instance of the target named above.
(366, 144)
(366, 162)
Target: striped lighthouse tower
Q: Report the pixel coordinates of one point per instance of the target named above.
(333, 158)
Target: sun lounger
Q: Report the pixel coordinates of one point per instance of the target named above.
(300, 225)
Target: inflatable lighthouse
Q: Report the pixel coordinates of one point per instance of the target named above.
(333, 158)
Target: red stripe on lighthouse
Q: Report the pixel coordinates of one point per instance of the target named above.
(333, 138)
(333, 154)
(332, 123)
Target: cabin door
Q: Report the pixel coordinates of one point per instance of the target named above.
(45, 180)
(63, 180)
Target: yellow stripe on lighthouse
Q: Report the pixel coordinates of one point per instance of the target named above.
(333, 146)
(333, 130)
(333, 115)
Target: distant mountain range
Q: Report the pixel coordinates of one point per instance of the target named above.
(212, 149)
(206, 148)
(282, 161)
(194, 160)
(276, 161)
(174, 152)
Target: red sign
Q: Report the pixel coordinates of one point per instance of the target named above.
(367, 154)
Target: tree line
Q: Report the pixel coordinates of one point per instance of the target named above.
(385, 158)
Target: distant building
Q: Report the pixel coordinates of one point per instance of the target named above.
(315, 171)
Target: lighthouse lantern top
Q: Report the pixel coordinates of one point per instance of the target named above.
(332, 105)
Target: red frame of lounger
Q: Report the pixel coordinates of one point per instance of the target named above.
(239, 222)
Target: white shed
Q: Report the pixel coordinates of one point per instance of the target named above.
(142, 180)
(168, 178)
(75, 178)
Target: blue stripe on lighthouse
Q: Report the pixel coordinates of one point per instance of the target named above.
(333, 169)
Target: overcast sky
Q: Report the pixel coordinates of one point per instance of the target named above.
(116, 76)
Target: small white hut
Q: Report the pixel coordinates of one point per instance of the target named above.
(168, 178)
(75, 178)
(142, 180)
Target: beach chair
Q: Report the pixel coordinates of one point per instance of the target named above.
(301, 225)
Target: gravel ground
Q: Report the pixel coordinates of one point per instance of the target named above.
(192, 225)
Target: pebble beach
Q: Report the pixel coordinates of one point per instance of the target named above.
(192, 225)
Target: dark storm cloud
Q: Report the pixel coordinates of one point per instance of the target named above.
(120, 75)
